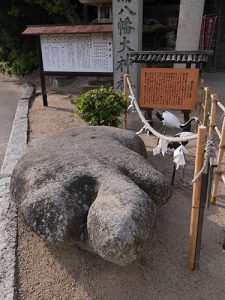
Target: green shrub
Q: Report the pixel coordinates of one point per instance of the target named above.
(5, 68)
(101, 107)
(21, 63)
(24, 63)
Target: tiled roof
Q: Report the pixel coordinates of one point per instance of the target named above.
(171, 56)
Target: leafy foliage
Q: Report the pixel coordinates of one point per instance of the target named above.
(66, 11)
(18, 53)
(101, 107)
(5, 68)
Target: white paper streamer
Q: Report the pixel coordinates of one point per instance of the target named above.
(131, 107)
(178, 156)
(161, 147)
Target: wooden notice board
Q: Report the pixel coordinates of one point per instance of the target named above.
(168, 88)
(73, 49)
(88, 52)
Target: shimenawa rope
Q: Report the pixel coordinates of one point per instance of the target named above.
(147, 126)
(209, 152)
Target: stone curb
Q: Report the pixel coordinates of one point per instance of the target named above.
(8, 210)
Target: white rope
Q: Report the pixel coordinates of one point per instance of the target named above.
(209, 152)
(147, 126)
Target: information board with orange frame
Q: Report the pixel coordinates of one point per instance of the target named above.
(168, 88)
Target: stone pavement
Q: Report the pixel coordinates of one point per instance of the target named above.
(216, 83)
(8, 211)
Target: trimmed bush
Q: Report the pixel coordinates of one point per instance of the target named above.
(101, 107)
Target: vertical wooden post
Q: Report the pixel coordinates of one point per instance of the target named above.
(213, 116)
(201, 93)
(212, 166)
(196, 197)
(42, 75)
(201, 216)
(212, 162)
(125, 90)
(219, 164)
(207, 104)
(187, 112)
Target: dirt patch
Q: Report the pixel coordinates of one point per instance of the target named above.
(44, 121)
(159, 273)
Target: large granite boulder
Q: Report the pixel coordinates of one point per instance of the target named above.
(91, 186)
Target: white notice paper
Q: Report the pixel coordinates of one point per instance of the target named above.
(91, 52)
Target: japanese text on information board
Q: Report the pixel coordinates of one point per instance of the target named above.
(168, 88)
(77, 52)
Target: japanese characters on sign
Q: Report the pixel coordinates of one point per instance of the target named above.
(168, 88)
(77, 52)
(126, 38)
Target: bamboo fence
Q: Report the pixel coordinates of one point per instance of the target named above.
(209, 126)
(210, 118)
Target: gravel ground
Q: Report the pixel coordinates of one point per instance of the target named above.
(161, 271)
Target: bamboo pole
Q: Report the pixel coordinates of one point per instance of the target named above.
(212, 123)
(218, 132)
(125, 90)
(219, 164)
(212, 131)
(200, 104)
(207, 104)
(201, 93)
(223, 178)
(221, 106)
(194, 223)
